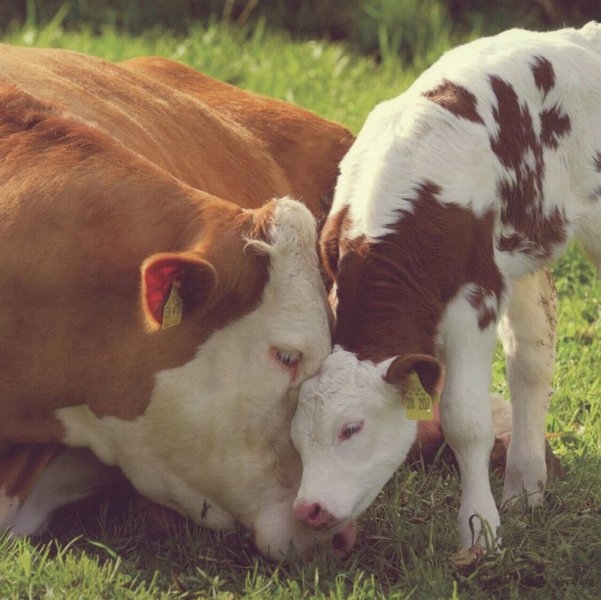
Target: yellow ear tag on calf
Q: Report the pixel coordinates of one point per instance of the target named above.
(417, 401)
(173, 309)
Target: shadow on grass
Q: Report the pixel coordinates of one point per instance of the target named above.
(406, 545)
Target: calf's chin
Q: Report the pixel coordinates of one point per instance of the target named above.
(278, 535)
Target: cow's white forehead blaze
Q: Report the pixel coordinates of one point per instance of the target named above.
(294, 300)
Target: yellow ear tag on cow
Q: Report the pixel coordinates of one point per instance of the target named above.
(173, 309)
(417, 401)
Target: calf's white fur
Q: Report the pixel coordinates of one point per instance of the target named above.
(453, 197)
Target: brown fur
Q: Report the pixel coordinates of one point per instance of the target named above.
(368, 322)
(515, 141)
(21, 465)
(72, 327)
(195, 127)
(535, 233)
(456, 99)
(306, 147)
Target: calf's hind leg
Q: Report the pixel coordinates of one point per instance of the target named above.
(528, 334)
(588, 233)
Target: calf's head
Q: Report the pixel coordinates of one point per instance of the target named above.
(352, 431)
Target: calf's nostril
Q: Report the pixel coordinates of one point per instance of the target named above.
(314, 512)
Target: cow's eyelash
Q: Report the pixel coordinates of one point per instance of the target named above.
(288, 358)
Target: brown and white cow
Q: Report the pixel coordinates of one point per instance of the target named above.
(157, 308)
(451, 199)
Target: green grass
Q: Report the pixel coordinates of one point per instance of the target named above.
(407, 541)
(323, 77)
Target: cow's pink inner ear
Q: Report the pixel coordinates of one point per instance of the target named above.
(427, 367)
(157, 278)
(193, 277)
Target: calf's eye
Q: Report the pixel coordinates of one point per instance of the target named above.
(350, 429)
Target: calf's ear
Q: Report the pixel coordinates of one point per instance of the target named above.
(329, 240)
(427, 368)
(173, 285)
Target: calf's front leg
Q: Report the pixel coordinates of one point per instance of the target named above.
(467, 348)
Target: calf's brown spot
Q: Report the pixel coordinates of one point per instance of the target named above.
(544, 74)
(520, 150)
(456, 99)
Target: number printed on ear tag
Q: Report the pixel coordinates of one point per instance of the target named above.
(173, 310)
(417, 401)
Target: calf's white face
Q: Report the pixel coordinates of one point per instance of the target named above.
(352, 432)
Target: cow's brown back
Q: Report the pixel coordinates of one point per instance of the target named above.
(306, 147)
(234, 144)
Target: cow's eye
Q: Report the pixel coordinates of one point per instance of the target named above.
(288, 358)
(350, 429)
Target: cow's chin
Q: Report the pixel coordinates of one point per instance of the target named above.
(279, 536)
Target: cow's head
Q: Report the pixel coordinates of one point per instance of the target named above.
(251, 293)
(352, 431)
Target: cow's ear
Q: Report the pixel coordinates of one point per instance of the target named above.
(173, 285)
(427, 368)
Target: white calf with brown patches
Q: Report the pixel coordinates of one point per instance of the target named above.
(98, 227)
(453, 197)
